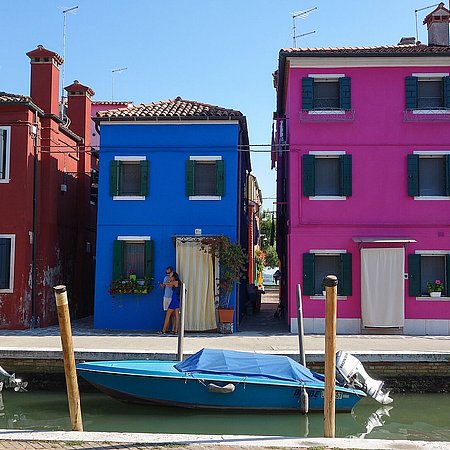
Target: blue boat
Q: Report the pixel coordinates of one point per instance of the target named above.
(218, 379)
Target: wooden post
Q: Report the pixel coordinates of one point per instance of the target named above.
(73, 393)
(329, 407)
(181, 323)
(301, 347)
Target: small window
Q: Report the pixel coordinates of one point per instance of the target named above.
(133, 255)
(430, 94)
(205, 178)
(4, 153)
(427, 92)
(326, 95)
(325, 265)
(7, 245)
(428, 175)
(428, 267)
(327, 175)
(129, 178)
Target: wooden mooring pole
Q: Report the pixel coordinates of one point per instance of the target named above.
(329, 408)
(73, 394)
(181, 323)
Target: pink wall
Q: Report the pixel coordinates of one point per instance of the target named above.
(379, 141)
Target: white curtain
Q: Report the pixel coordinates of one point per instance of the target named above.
(196, 271)
(382, 287)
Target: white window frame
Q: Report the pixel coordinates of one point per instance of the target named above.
(205, 159)
(324, 78)
(8, 153)
(426, 298)
(12, 237)
(431, 154)
(430, 77)
(129, 159)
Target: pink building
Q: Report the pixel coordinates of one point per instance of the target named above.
(363, 167)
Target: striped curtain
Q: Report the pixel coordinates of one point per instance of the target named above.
(196, 271)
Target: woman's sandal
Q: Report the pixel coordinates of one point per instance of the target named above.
(161, 332)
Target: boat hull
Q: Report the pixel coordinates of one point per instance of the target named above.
(161, 384)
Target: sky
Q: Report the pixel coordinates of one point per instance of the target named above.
(221, 52)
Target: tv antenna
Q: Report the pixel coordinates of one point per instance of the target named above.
(72, 10)
(421, 9)
(302, 15)
(113, 72)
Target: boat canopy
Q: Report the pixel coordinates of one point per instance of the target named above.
(247, 364)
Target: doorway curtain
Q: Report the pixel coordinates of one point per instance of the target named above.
(195, 268)
(382, 287)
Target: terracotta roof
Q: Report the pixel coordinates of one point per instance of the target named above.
(105, 102)
(13, 98)
(372, 50)
(169, 109)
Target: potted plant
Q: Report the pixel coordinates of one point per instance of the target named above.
(132, 275)
(435, 288)
(232, 265)
(129, 285)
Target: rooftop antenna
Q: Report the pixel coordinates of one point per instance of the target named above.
(421, 9)
(72, 10)
(113, 72)
(302, 15)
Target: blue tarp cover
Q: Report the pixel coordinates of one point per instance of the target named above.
(232, 362)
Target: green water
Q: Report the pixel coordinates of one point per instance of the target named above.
(411, 416)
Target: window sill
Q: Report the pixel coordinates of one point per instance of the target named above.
(423, 115)
(429, 197)
(205, 197)
(327, 115)
(6, 291)
(321, 297)
(328, 197)
(427, 298)
(129, 197)
(2, 180)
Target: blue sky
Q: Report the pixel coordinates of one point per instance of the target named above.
(219, 52)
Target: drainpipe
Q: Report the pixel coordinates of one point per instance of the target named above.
(33, 322)
(239, 218)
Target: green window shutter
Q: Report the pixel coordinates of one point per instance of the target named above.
(114, 178)
(345, 284)
(411, 92)
(446, 92)
(118, 259)
(308, 273)
(346, 175)
(148, 268)
(414, 275)
(308, 179)
(345, 95)
(447, 175)
(190, 180)
(307, 93)
(447, 281)
(220, 177)
(413, 175)
(144, 166)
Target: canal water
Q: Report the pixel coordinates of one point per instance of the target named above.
(411, 416)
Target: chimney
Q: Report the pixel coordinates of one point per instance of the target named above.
(44, 89)
(437, 26)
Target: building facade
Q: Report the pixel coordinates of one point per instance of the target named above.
(363, 167)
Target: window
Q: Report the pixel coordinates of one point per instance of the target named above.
(428, 266)
(7, 251)
(133, 254)
(427, 92)
(317, 264)
(4, 153)
(205, 178)
(129, 178)
(326, 92)
(327, 174)
(429, 174)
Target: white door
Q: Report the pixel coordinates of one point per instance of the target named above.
(382, 287)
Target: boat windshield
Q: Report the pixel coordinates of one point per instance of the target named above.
(247, 364)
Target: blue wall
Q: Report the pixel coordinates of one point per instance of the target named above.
(165, 212)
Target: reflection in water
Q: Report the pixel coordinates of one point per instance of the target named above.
(414, 416)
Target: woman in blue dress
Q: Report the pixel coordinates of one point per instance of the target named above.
(174, 305)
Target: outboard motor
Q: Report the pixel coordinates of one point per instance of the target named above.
(10, 381)
(351, 372)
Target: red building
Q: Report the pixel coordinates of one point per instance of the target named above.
(47, 218)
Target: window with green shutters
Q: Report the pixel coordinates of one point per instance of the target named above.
(133, 256)
(4, 153)
(205, 177)
(427, 92)
(327, 175)
(316, 266)
(326, 93)
(6, 262)
(428, 267)
(428, 175)
(129, 177)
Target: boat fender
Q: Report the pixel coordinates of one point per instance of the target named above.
(227, 389)
(304, 400)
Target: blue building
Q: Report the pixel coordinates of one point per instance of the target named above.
(170, 172)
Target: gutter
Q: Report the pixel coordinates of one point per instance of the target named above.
(33, 322)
